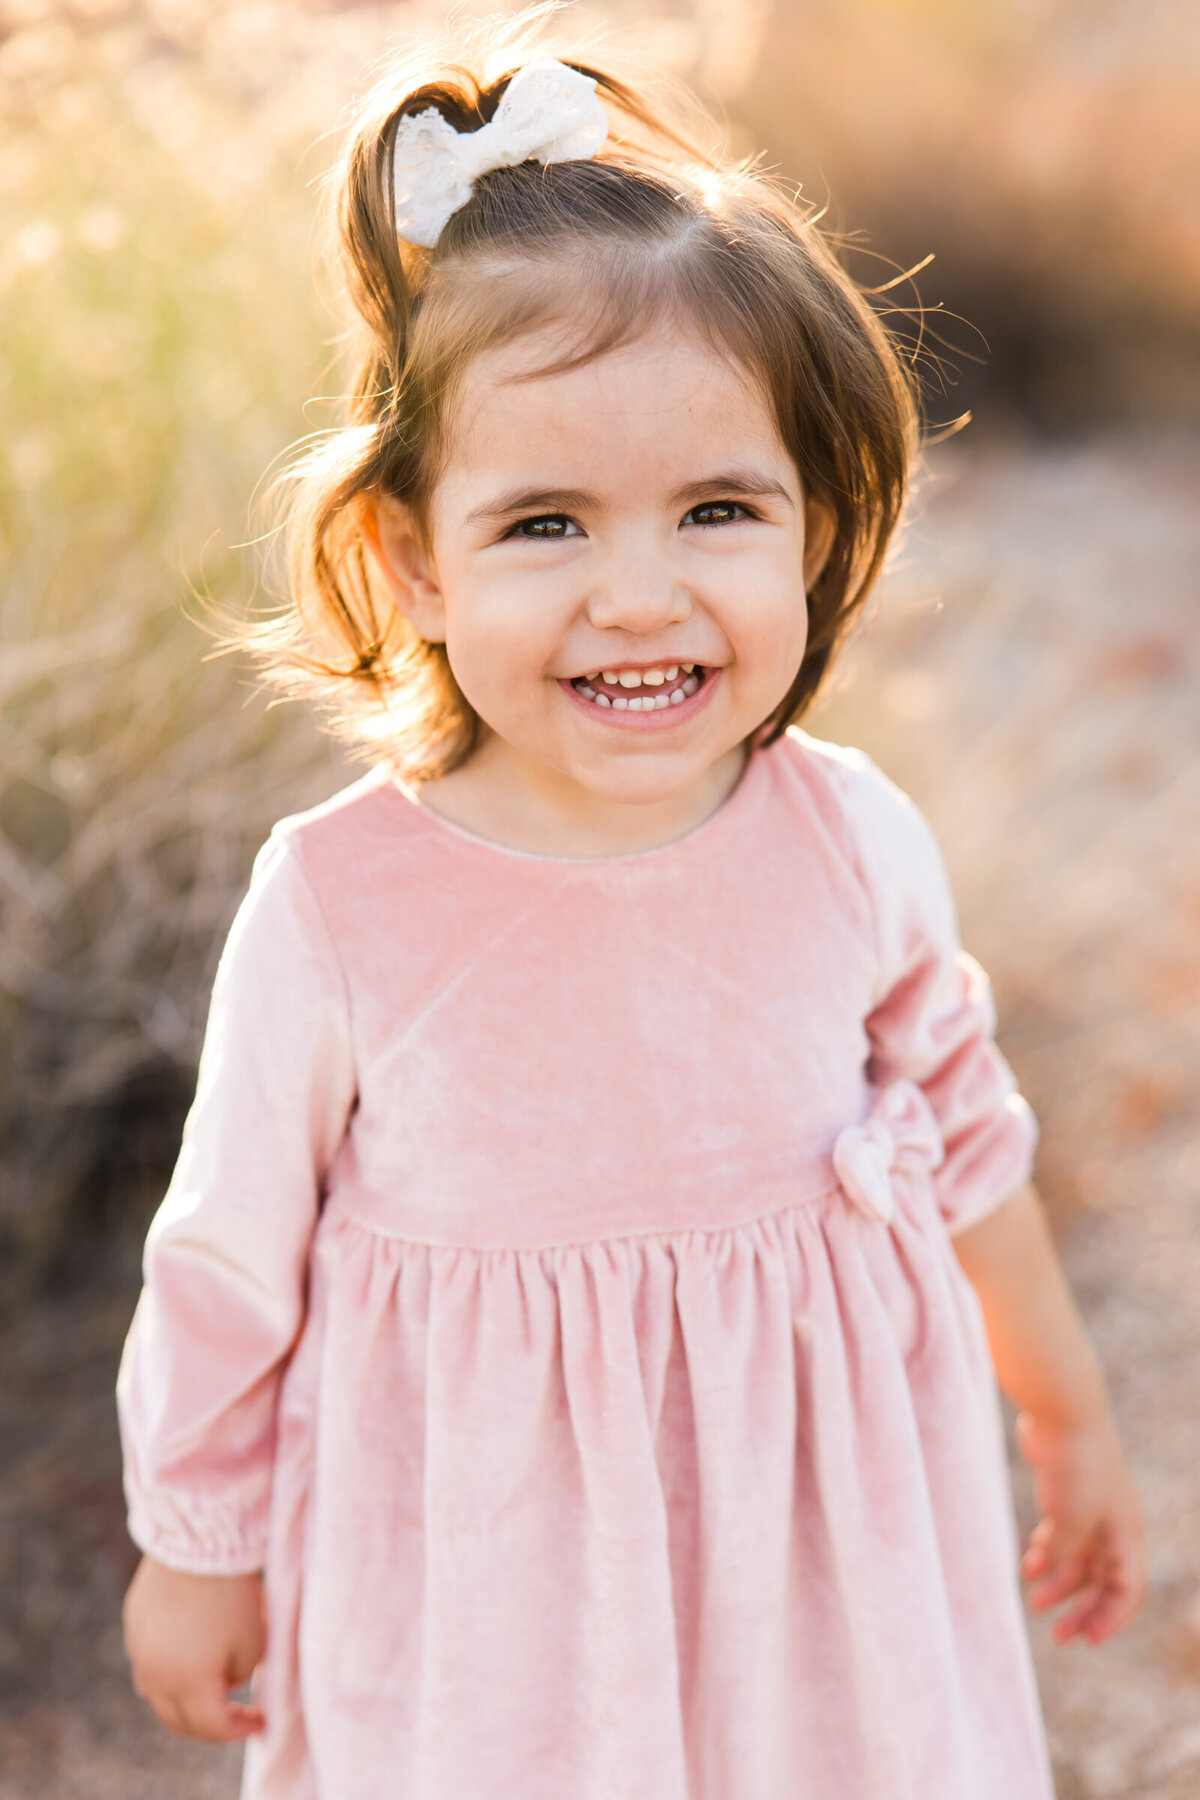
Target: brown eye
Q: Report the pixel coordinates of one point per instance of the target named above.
(551, 525)
(716, 512)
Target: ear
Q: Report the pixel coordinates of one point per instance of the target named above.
(820, 528)
(405, 565)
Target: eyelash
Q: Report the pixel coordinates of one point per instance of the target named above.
(737, 507)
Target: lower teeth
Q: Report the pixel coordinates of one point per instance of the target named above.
(641, 702)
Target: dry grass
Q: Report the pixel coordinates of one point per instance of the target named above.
(157, 355)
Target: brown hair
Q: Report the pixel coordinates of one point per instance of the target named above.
(649, 229)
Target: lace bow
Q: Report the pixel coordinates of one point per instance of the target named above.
(899, 1132)
(549, 113)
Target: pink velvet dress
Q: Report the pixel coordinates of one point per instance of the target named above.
(556, 1297)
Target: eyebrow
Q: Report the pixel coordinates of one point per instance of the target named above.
(736, 481)
(530, 499)
(747, 482)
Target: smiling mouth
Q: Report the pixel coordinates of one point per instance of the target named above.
(641, 690)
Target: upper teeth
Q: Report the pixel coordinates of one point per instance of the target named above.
(624, 702)
(631, 678)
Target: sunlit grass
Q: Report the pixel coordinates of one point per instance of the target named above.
(160, 335)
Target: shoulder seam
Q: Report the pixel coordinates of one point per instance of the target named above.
(294, 859)
(838, 771)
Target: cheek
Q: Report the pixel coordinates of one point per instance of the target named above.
(495, 651)
(478, 672)
(774, 624)
(775, 654)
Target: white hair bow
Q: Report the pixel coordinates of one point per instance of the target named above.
(549, 113)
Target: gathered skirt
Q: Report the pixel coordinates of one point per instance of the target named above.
(713, 1515)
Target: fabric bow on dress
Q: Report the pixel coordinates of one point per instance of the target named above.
(899, 1132)
(549, 113)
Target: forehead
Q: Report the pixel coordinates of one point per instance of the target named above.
(665, 390)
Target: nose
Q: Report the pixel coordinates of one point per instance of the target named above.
(639, 593)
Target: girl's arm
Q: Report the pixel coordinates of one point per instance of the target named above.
(933, 1023)
(224, 1300)
(1088, 1544)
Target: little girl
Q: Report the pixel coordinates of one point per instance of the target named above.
(563, 1367)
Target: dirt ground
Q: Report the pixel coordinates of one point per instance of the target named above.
(1032, 677)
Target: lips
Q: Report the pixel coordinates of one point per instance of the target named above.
(652, 689)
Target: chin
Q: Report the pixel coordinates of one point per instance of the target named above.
(641, 786)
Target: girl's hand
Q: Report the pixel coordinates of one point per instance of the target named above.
(189, 1639)
(1088, 1543)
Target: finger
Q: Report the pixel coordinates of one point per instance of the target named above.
(239, 1687)
(212, 1715)
(1072, 1622)
(231, 1722)
(1059, 1584)
(1127, 1564)
(1115, 1608)
(245, 1721)
(221, 1727)
(1041, 1551)
(166, 1705)
(1035, 1560)
(1122, 1591)
(166, 1710)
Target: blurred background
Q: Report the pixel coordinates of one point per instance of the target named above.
(1029, 672)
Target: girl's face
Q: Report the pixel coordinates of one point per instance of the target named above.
(616, 559)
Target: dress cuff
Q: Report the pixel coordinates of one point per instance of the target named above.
(194, 1540)
(981, 1173)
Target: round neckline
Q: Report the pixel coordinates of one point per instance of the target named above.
(731, 804)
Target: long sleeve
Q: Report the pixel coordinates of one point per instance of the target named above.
(226, 1255)
(933, 1018)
